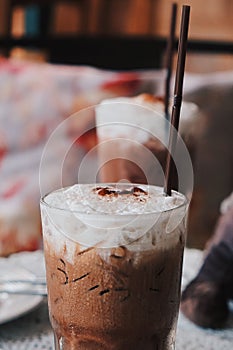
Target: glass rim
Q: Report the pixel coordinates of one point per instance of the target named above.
(120, 215)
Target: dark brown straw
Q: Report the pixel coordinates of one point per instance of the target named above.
(178, 92)
(169, 59)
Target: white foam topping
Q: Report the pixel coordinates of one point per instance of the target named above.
(139, 217)
(115, 199)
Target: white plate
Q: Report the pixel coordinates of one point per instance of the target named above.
(11, 305)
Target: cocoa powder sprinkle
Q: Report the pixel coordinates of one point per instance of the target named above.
(107, 191)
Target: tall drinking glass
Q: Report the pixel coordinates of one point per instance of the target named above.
(113, 262)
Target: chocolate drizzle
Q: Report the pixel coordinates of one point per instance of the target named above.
(94, 287)
(63, 270)
(104, 291)
(81, 277)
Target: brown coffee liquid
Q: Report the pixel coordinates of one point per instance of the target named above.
(115, 299)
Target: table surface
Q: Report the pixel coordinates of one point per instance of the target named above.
(33, 330)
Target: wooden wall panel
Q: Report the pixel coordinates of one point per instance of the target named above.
(209, 19)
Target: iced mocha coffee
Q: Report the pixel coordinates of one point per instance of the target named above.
(113, 258)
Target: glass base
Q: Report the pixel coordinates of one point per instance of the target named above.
(65, 344)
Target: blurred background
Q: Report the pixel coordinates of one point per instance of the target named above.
(211, 21)
(58, 57)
